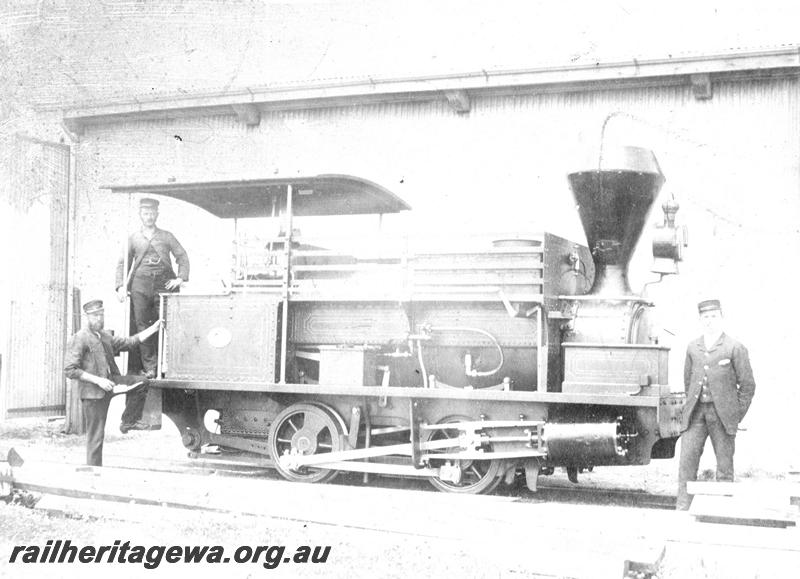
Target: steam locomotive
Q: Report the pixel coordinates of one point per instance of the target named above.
(464, 367)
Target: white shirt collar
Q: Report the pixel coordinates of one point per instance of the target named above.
(712, 339)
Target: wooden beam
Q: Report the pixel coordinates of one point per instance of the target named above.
(249, 114)
(774, 492)
(701, 86)
(458, 101)
(73, 127)
(738, 511)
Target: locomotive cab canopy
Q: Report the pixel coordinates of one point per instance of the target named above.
(321, 195)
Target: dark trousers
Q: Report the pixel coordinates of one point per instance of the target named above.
(95, 412)
(704, 423)
(145, 288)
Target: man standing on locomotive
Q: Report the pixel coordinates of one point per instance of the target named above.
(150, 272)
(90, 360)
(719, 388)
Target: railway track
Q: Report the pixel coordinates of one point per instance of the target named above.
(490, 526)
(552, 491)
(610, 523)
(604, 496)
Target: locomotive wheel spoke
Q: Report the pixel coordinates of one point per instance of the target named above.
(314, 423)
(477, 476)
(320, 431)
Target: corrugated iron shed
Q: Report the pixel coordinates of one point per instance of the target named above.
(71, 53)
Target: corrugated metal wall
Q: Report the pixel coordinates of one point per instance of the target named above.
(35, 270)
(731, 161)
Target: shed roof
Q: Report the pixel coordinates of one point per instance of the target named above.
(76, 54)
(312, 196)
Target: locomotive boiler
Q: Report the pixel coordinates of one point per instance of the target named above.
(462, 366)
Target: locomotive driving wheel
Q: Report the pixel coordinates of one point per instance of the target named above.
(477, 476)
(305, 429)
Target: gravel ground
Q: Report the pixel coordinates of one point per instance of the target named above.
(354, 553)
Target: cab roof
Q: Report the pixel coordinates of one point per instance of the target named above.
(311, 196)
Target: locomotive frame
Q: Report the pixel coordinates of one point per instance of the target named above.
(462, 367)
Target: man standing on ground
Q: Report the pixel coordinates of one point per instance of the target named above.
(719, 388)
(149, 273)
(90, 360)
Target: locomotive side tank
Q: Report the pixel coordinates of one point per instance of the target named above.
(463, 366)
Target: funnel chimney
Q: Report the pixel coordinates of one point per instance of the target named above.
(614, 198)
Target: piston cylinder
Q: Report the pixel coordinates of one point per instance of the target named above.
(584, 443)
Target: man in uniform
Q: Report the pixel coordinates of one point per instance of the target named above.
(150, 272)
(90, 360)
(719, 388)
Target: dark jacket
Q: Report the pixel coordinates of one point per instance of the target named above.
(726, 366)
(88, 353)
(164, 243)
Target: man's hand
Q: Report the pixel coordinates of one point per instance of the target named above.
(173, 284)
(122, 293)
(104, 383)
(149, 331)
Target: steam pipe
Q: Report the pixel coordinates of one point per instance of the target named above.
(475, 373)
(422, 365)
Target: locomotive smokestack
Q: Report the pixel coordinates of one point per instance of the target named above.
(614, 199)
